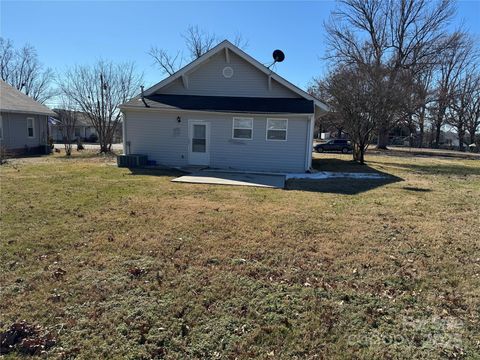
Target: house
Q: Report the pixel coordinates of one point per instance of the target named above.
(23, 122)
(224, 110)
(84, 129)
(449, 139)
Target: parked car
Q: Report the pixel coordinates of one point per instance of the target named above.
(334, 145)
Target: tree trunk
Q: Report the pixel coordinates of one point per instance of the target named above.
(461, 137)
(438, 130)
(362, 155)
(472, 136)
(358, 153)
(421, 125)
(382, 137)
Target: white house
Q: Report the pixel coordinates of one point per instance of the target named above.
(224, 110)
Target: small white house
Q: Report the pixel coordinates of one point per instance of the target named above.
(224, 110)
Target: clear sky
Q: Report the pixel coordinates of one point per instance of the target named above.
(66, 33)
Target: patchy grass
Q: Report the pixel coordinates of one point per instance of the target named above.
(116, 264)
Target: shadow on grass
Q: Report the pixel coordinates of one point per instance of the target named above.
(347, 186)
(415, 189)
(434, 169)
(156, 172)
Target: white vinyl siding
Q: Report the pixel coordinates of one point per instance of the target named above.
(277, 129)
(247, 81)
(242, 128)
(30, 127)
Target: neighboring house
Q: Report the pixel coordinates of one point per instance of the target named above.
(84, 130)
(23, 122)
(223, 110)
(449, 139)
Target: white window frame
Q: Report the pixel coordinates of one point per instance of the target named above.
(233, 128)
(286, 129)
(1, 127)
(33, 128)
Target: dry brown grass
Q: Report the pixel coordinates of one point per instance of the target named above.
(386, 269)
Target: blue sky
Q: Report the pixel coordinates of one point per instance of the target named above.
(66, 33)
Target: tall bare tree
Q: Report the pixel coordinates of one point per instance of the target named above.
(463, 109)
(392, 35)
(197, 43)
(473, 109)
(458, 53)
(98, 91)
(22, 69)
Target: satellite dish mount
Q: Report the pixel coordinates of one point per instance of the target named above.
(278, 56)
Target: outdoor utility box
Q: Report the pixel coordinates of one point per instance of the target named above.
(131, 160)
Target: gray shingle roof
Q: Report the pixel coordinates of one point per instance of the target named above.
(225, 103)
(12, 100)
(82, 118)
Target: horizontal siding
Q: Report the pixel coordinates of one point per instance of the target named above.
(157, 135)
(15, 131)
(208, 80)
(163, 139)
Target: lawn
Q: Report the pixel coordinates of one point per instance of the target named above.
(115, 264)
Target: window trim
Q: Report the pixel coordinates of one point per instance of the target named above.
(33, 127)
(286, 130)
(233, 128)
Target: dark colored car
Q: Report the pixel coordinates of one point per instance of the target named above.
(334, 145)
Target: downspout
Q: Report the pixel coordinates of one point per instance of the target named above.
(143, 98)
(124, 133)
(309, 143)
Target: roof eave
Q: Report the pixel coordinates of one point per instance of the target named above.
(122, 107)
(28, 112)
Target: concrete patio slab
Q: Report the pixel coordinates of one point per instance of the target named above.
(237, 179)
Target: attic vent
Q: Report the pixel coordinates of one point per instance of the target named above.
(227, 72)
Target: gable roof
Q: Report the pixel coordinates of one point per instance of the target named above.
(14, 101)
(81, 118)
(221, 47)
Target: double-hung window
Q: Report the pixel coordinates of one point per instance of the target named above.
(277, 129)
(30, 127)
(242, 128)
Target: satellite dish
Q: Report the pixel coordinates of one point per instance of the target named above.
(278, 55)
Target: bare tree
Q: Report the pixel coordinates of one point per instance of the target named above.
(353, 96)
(424, 95)
(22, 69)
(458, 52)
(169, 64)
(98, 91)
(463, 110)
(391, 35)
(330, 122)
(67, 117)
(473, 109)
(197, 43)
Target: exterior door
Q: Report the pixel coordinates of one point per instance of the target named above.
(199, 142)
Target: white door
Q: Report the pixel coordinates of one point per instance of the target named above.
(199, 142)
